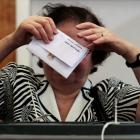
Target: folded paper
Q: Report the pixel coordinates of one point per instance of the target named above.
(63, 54)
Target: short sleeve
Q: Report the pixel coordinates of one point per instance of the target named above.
(127, 98)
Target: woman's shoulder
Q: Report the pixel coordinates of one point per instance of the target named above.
(113, 83)
(109, 83)
(115, 86)
(12, 66)
(14, 71)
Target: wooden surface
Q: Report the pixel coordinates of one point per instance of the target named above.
(7, 25)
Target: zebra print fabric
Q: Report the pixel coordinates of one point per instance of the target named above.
(20, 88)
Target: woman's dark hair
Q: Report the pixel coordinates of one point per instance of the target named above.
(60, 13)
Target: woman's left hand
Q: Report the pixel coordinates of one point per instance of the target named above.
(97, 35)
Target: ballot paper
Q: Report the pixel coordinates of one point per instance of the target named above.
(63, 54)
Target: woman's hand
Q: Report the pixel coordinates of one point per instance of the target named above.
(42, 28)
(97, 35)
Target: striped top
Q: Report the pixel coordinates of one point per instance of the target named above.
(25, 97)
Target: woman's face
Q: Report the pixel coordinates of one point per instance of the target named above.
(78, 77)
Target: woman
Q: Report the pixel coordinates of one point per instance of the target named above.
(25, 98)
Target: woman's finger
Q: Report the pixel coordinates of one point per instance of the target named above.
(93, 37)
(86, 25)
(45, 21)
(48, 27)
(42, 33)
(52, 24)
(88, 32)
(32, 30)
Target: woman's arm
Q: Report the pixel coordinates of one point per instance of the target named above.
(4, 46)
(130, 55)
(99, 35)
(40, 27)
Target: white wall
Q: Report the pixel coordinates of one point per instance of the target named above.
(121, 16)
(22, 12)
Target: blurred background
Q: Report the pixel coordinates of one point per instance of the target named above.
(7, 23)
(121, 16)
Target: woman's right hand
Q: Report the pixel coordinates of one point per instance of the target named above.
(42, 28)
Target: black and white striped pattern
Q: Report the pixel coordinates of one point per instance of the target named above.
(19, 102)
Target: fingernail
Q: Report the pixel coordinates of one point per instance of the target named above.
(47, 41)
(51, 37)
(55, 31)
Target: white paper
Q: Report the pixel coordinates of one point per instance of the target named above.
(63, 54)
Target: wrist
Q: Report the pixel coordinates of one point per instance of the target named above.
(124, 48)
(130, 51)
(131, 55)
(135, 63)
(11, 42)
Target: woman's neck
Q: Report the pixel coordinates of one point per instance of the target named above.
(64, 102)
(65, 95)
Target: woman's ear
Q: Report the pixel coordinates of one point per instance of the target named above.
(40, 63)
